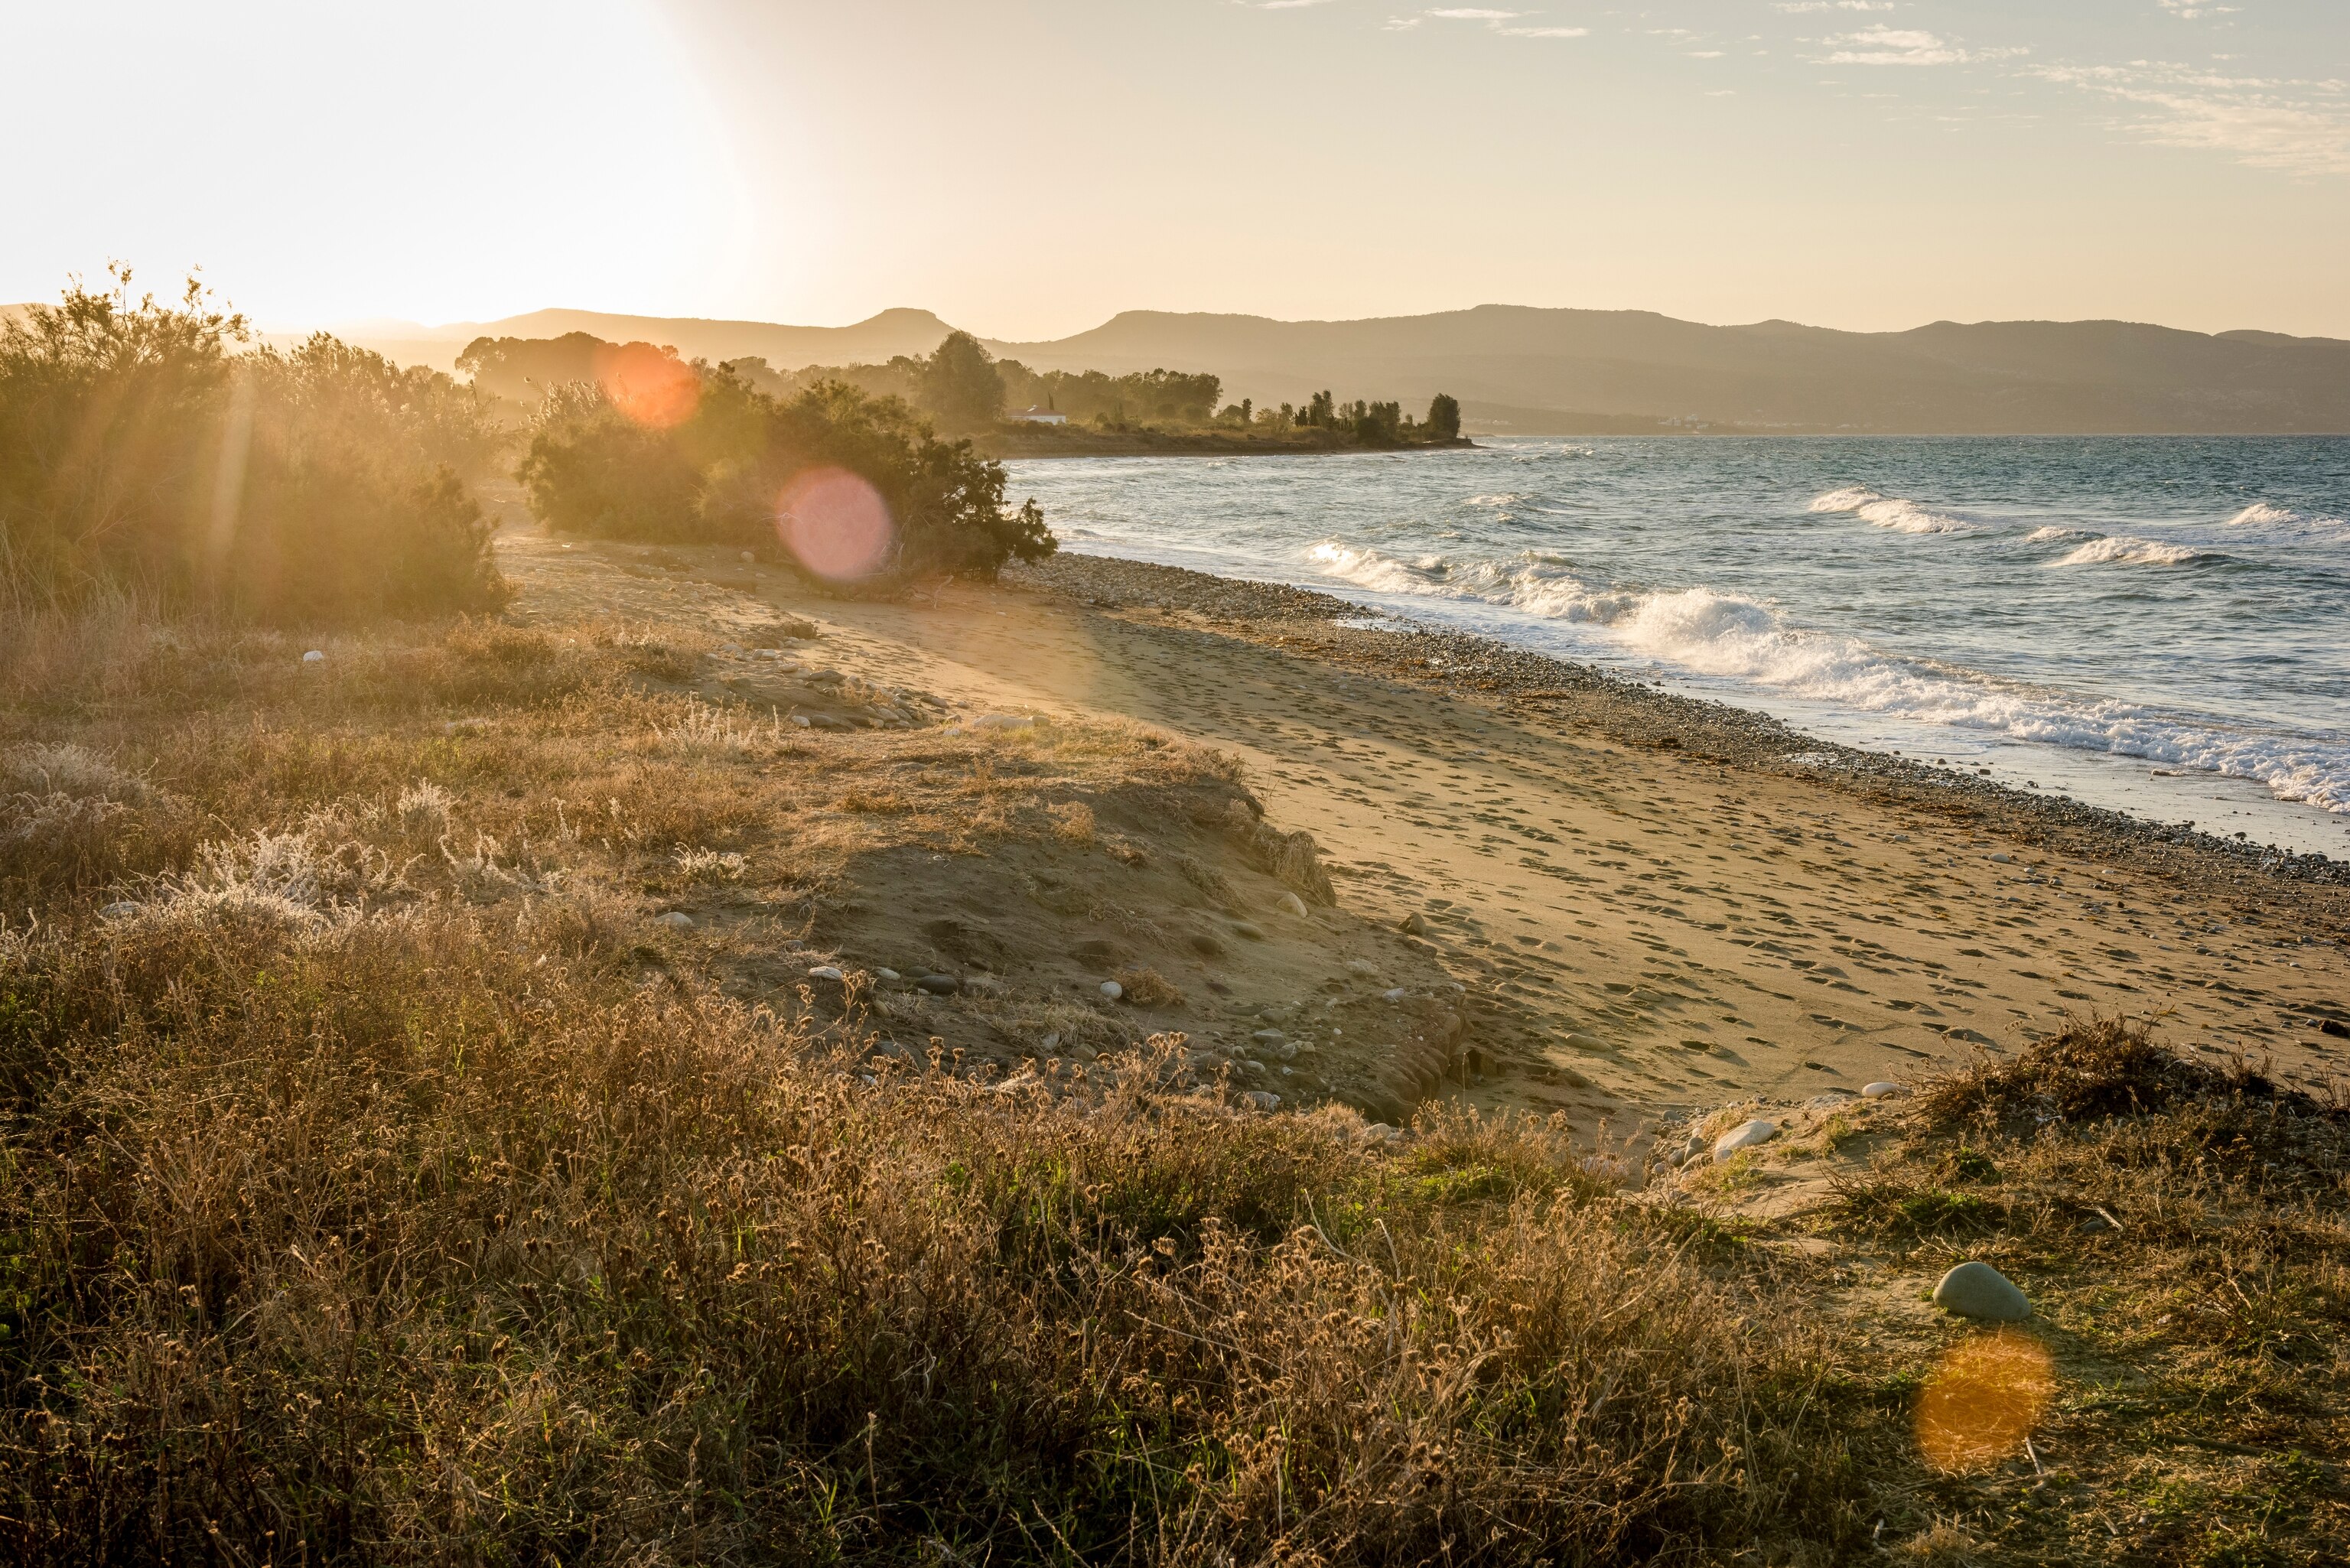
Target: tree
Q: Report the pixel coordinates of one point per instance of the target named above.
(1444, 418)
(959, 383)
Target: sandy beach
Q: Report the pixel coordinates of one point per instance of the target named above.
(1652, 904)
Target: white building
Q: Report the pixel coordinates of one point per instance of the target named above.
(1033, 415)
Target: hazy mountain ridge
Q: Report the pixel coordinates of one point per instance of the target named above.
(1597, 369)
(1535, 370)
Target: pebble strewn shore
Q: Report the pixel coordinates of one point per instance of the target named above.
(1322, 624)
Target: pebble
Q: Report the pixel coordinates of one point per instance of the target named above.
(1585, 1043)
(675, 919)
(1980, 1291)
(825, 972)
(2002, 859)
(1002, 722)
(1269, 1036)
(1414, 925)
(314, 657)
(801, 720)
(1112, 991)
(117, 911)
(1396, 995)
(1260, 1099)
(1252, 931)
(1746, 1134)
(1879, 1091)
(939, 984)
(885, 974)
(1363, 967)
(1291, 904)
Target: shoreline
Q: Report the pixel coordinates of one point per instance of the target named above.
(1745, 736)
(1651, 905)
(1207, 445)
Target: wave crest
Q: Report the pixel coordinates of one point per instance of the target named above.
(1894, 511)
(2122, 549)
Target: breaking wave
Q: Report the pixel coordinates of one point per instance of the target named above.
(1894, 511)
(2121, 549)
(1727, 636)
(2286, 526)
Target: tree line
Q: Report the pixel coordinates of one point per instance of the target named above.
(964, 388)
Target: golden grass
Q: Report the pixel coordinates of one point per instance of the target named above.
(382, 1183)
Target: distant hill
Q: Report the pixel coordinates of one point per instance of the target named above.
(1598, 371)
(1524, 370)
(876, 341)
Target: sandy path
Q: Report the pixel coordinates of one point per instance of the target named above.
(1676, 931)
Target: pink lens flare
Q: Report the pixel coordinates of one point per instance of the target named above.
(835, 524)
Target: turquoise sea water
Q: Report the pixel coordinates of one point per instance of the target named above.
(2158, 625)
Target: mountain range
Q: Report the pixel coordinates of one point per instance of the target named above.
(1519, 369)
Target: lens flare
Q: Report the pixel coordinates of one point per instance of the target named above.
(1983, 1400)
(651, 387)
(835, 525)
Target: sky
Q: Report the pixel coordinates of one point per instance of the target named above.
(1028, 167)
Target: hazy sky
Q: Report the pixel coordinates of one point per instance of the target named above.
(1028, 167)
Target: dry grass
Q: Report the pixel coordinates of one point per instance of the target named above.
(385, 1184)
(2182, 1231)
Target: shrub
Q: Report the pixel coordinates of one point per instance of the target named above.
(718, 475)
(140, 453)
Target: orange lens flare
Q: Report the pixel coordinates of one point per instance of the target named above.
(835, 525)
(1984, 1400)
(649, 387)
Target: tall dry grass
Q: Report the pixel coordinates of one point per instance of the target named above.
(377, 1191)
(345, 1236)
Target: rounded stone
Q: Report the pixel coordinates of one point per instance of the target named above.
(1980, 1291)
(676, 919)
(825, 972)
(1746, 1134)
(939, 984)
(1112, 991)
(1291, 904)
(1879, 1091)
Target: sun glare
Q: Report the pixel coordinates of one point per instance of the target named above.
(835, 524)
(651, 387)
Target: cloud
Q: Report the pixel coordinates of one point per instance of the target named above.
(2191, 9)
(1279, 5)
(1803, 7)
(1495, 21)
(1904, 46)
(2301, 128)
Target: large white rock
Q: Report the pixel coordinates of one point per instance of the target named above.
(1879, 1091)
(1746, 1134)
(1980, 1291)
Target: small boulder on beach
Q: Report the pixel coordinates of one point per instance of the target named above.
(1746, 1134)
(1980, 1291)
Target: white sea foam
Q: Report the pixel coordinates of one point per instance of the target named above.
(1897, 513)
(1726, 636)
(2283, 524)
(2121, 549)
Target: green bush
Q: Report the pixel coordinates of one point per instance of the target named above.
(718, 475)
(141, 453)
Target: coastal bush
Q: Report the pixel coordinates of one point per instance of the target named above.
(141, 455)
(722, 474)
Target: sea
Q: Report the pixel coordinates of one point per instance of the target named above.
(2160, 625)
